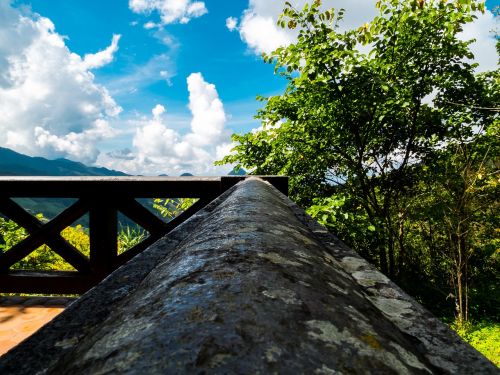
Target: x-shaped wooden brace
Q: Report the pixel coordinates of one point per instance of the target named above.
(49, 233)
(43, 233)
(157, 228)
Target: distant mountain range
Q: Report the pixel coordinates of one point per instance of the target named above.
(15, 164)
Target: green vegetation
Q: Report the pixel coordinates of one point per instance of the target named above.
(483, 336)
(172, 207)
(44, 258)
(391, 139)
(129, 236)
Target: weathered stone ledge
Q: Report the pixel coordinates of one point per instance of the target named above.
(248, 285)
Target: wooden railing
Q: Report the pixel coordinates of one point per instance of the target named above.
(102, 198)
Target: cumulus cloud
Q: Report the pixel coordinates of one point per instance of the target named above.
(157, 148)
(209, 118)
(101, 58)
(158, 110)
(170, 11)
(50, 104)
(261, 34)
(76, 143)
(125, 154)
(231, 23)
(258, 30)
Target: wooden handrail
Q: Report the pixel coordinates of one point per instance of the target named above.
(102, 198)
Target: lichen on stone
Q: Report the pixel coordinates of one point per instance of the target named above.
(287, 296)
(278, 259)
(336, 288)
(391, 306)
(352, 264)
(369, 278)
(273, 353)
(67, 343)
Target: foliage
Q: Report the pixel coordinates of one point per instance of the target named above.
(168, 208)
(462, 218)
(43, 258)
(172, 207)
(128, 237)
(483, 336)
(341, 214)
(11, 233)
(361, 119)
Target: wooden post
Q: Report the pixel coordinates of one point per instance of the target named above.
(103, 236)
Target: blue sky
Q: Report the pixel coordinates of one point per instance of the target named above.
(147, 86)
(203, 45)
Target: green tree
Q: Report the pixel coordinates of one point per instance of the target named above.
(460, 217)
(362, 120)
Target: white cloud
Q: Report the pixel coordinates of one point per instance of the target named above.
(150, 25)
(50, 104)
(166, 38)
(157, 148)
(258, 29)
(262, 35)
(76, 143)
(101, 58)
(170, 11)
(154, 139)
(232, 23)
(223, 150)
(209, 118)
(158, 111)
(484, 47)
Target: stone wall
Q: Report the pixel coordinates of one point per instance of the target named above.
(248, 285)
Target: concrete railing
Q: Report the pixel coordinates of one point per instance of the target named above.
(249, 284)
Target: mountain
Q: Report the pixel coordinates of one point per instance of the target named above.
(239, 172)
(15, 164)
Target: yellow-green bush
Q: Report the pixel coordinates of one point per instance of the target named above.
(484, 337)
(43, 258)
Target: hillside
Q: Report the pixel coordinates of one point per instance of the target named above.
(15, 164)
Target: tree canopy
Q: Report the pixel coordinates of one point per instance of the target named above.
(389, 137)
